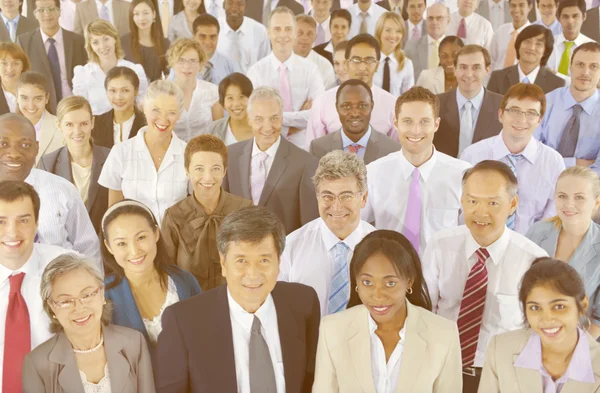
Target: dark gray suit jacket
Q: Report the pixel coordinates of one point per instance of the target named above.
(255, 10)
(288, 190)
(74, 54)
(590, 26)
(25, 25)
(379, 145)
(501, 80)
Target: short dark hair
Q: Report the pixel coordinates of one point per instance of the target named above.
(452, 39)
(235, 79)
(11, 190)
(205, 20)
(587, 47)
(529, 2)
(571, 3)
(494, 166)
(124, 72)
(56, 3)
(469, 50)
(34, 78)
(555, 2)
(352, 82)
(342, 45)
(341, 13)
(524, 91)
(363, 39)
(418, 94)
(251, 224)
(532, 31)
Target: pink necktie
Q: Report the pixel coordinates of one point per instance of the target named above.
(462, 29)
(416, 33)
(284, 88)
(354, 148)
(320, 35)
(412, 220)
(17, 336)
(258, 175)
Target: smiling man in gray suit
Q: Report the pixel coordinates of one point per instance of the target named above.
(270, 170)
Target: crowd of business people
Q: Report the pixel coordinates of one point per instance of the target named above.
(326, 196)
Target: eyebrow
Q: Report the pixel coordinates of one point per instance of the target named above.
(142, 231)
(551, 302)
(244, 255)
(63, 295)
(473, 196)
(21, 216)
(388, 276)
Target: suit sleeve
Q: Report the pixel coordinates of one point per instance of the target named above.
(32, 382)
(171, 357)
(325, 375)
(169, 235)
(493, 83)
(312, 338)
(42, 164)
(308, 197)
(450, 378)
(145, 376)
(489, 376)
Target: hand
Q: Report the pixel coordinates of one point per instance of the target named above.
(307, 105)
(583, 162)
(293, 130)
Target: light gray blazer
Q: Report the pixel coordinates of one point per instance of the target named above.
(178, 27)
(379, 145)
(86, 12)
(418, 52)
(218, 128)
(433, 80)
(51, 367)
(484, 10)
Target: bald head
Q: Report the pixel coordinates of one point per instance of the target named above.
(438, 18)
(18, 147)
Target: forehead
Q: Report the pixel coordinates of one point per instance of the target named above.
(378, 265)
(19, 207)
(487, 183)
(80, 114)
(73, 282)
(587, 56)
(265, 108)
(282, 19)
(545, 293)
(206, 158)
(363, 50)
(30, 89)
(415, 109)
(11, 129)
(436, 10)
(339, 20)
(163, 101)
(354, 93)
(571, 11)
(44, 3)
(119, 82)
(536, 38)
(94, 37)
(212, 30)
(524, 103)
(265, 246)
(190, 54)
(518, 1)
(302, 25)
(471, 59)
(142, 7)
(416, 2)
(348, 183)
(546, 2)
(127, 224)
(573, 184)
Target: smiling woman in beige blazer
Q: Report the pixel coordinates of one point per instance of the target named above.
(553, 354)
(441, 79)
(391, 343)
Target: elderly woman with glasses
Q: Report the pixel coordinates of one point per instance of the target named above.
(87, 354)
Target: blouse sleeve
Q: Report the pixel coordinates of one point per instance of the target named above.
(80, 79)
(111, 176)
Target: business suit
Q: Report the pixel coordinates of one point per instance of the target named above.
(195, 349)
(87, 11)
(418, 52)
(256, 10)
(51, 367)
(218, 128)
(408, 30)
(288, 190)
(434, 80)
(25, 25)
(51, 137)
(499, 374)
(431, 361)
(75, 55)
(446, 137)
(590, 24)
(3, 104)
(379, 145)
(484, 10)
(59, 163)
(386, 4)
(501, 80)
(320, 49)
(103, 132)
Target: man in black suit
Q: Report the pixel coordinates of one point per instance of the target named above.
(534, 45)
(255, 11)
(339, 27)
(252, 334)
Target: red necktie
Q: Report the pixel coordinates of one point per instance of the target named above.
(471, 308)
(17, 337)
(354, 148)
(462, 29)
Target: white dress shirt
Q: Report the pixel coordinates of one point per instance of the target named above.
(448, 259)
(389, 181)
(219, 12)
(67, 14)
(196, 119)
(531, 76)
(385, 372)
(308, 256)
(499, 45)
(373, 14)
(121, 131)
(271, 151)
(129, 168)
(400, 81)
(64, 220)
(39, 322)
(559, 48)
(497, 13)
(60, 49)
(108, 5)
(11, 100)
(479, 29)
(241, 326)
(253, 42)
(325, 68)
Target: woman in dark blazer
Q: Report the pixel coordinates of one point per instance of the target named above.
(80, 161)
(124, 120)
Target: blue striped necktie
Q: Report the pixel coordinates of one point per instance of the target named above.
(340, 281)
(512, 163)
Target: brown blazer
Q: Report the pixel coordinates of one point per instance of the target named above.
(288, 191)
(446, 137)
(74, 54)
(195, 349)
(51, 367)
(256, 10)
(25, 25)
(190, 236)
(501, 80)
(87, 11)
(3, 104)
(379, 145)
(590, 26)
(104, 123)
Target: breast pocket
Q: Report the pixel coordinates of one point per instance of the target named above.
(509, 311)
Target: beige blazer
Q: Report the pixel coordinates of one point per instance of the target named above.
(500, 376)
(430, 362)
(51, 137)
(51, 367)
(434, 80)
(87, 11)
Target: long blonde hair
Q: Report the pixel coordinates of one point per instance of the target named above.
(583, 173)
(398, 52)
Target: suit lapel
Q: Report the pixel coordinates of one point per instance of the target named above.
(359, 343)
(68, 375)
(97, 163)
(486, 113)
(586, 252)
(550, 241)
(336, 141)
(118, 366)
(529, 380)
(68, 43)
(513, 75)
(63, 165)
(220, 346)
(244, 165)
(4, 35)
(40, 51)
(372, 148)
(280, 163)
(414, 344)
(540, 80)
(47, 136)
(452, 116)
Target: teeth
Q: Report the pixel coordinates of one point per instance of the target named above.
(12, 244)
(82, 319)
(551, 331)
(480, 223)
(380, 308)
(414, 139)
(137, 260)
(14, 165)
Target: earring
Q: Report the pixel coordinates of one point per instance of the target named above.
(409, 291)
(356, 289)
(104, 304)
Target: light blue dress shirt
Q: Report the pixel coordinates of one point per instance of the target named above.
(15, 21)
(476, 101)
(362, 141)
(223, 66)
(559, 108)
(555, 27)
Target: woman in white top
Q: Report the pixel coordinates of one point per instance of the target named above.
(392, 342)
(32, 98)
(182, 22)
(103, 46)
(201, 99)
(441, 79)
(390, 31)
(149, 167)
(13, 62)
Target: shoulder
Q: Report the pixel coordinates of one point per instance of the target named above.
(384, 163)
(128, 338)
(550, 154)
(43, 179)
(495, 97)
(302, 155)
(541, 229)
(525, 246)
(179, 276)
(333, 323)
(40, 354)
(444, 329)
(449, 95)
(453, 164)
(511, 342)
(235, 202)
(235, 149)
(473, 153)
(49, 159)
(100, 152)
(299, 296)
(303, 232)
(448, 237)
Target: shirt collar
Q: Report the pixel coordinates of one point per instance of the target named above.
(520, 29)
(493, 4)
(476, 101)
(58, 37)
(289, 63)
(467, 19)
(271, 151)
(140, 143)
(587, 105)
(402, 333)
(30, 268)
(362, 141)
(431, 40)
(560, 39)
(369, 12)
(411, 26)
(496, 249)
(244, 317)
(99, 4)
(242, 29)
(531, 76)
(14, 20)
(425, 170)
(499, 149)
(330, 239)
(329, 47)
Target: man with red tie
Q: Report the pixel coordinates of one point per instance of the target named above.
(23, 322)
(473, 271)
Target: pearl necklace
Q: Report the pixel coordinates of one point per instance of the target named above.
(84, 351)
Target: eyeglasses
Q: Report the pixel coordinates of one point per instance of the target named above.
(46, 10)
(517, 113)
(84, 300)
(358, 61)
(182, 61)
(344, 198)
(13, 64)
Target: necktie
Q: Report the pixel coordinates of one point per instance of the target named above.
(512, 163)
(258, 175)
(320, 35)
(570, 135)
(565, 59)
(511, 53)
(284, 88)
(266, 12)
(385, 85)
(340, 281)
(207, 72)
(466, 127)
(363, 23)
(526, 80)
(354, 148)
(165, 16)
(416, 33)
(262, 375)
(412, 220)
(212, 8)
(12, 30)
(104, 14)
(17, 336)
(55, 68)
(471, 308)
(434, 56)
(234, 51)
(462, 29)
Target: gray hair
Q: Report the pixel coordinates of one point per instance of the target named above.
(164, 87)
(251, 224)
(264, 93)
(337, 165)
(281, 10)
(61, 265)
